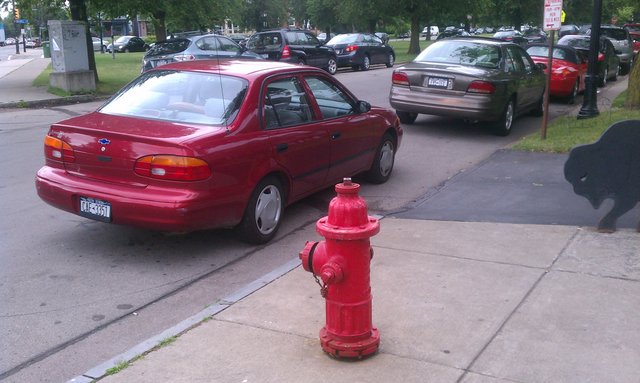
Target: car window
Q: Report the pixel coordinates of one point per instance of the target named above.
(311, 39)
(616, 34)
(285, 104)
(332, 101)
(265, 41)
(169, 47)
(514, 61)
(188, 97)
(208, 44)
(343, 39)
(524, 58)
(227, 45)
(296, 38)
(461, 52)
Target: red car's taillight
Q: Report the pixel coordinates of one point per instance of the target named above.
(58, 150)
(351, 48)
(400, 78)
(175, 168)
(481, 87)
(286, 52)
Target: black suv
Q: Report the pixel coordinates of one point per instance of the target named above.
(297, 46)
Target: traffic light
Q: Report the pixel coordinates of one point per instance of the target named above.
(16, 14)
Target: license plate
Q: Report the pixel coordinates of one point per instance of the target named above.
(438, 82)
(95, 209)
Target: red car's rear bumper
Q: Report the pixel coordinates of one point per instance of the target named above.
(168, 209)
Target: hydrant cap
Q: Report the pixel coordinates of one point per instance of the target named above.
(348, 218)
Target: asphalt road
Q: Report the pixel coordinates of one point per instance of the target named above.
(75, 292)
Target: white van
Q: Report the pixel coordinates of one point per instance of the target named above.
(433, 31)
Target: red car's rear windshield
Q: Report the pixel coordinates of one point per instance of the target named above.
(181, 96)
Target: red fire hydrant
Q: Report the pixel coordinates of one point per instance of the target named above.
(342, 263)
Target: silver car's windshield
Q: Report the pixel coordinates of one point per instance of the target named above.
(461, 53)
(189, 97)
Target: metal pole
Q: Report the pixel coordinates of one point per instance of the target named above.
(545, 115)
(16, 27)
(590, 104)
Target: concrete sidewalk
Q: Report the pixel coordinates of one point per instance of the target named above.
(453, 301)
(17, 75)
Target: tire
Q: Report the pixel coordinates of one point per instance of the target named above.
(263, 214)
(503, 126)
(332, 66)
(366, 63)
(615, 75)
(383, 162)
(390, 61)
(571, 98)
(604, 78)
(407, 117)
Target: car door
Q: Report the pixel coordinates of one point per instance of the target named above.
(376, 48)
(314, 50)
(300, 143)
(523, 77)
(352, 142)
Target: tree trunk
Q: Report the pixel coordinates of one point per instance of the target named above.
(79, 13)
(160, 25)
(414, 43)
(633, 90)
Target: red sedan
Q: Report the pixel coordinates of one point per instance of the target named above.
(208, 144)
(568, 69)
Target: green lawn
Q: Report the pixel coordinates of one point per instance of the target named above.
(565, 132)
(113, 74)
(402, 46)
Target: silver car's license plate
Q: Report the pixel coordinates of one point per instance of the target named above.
(95, 209)
(437, 82)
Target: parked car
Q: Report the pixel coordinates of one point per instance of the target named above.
(535, 35)
(469, 78)
(608, 61)
(568, 29)
(194, 48)
(298, 46)
(361, 50)
(10, 41)
(622, 43)
(212, 144)
(128, 44)
(98, 45)
(568, 69)
(455, 32)
(323, 37)
(634, 32)
(511, 35)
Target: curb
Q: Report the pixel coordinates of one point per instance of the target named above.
(39, 104)
(144, 347)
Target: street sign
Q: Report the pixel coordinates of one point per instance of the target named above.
(552, 15)
(22, 21)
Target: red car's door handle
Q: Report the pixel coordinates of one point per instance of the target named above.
(335, 135)
(282, 147)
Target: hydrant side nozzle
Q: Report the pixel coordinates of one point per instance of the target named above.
(306, 255)
(331, 273)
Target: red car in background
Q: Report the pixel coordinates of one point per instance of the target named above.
(212, 144)
(568, 69)
(634, 32)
